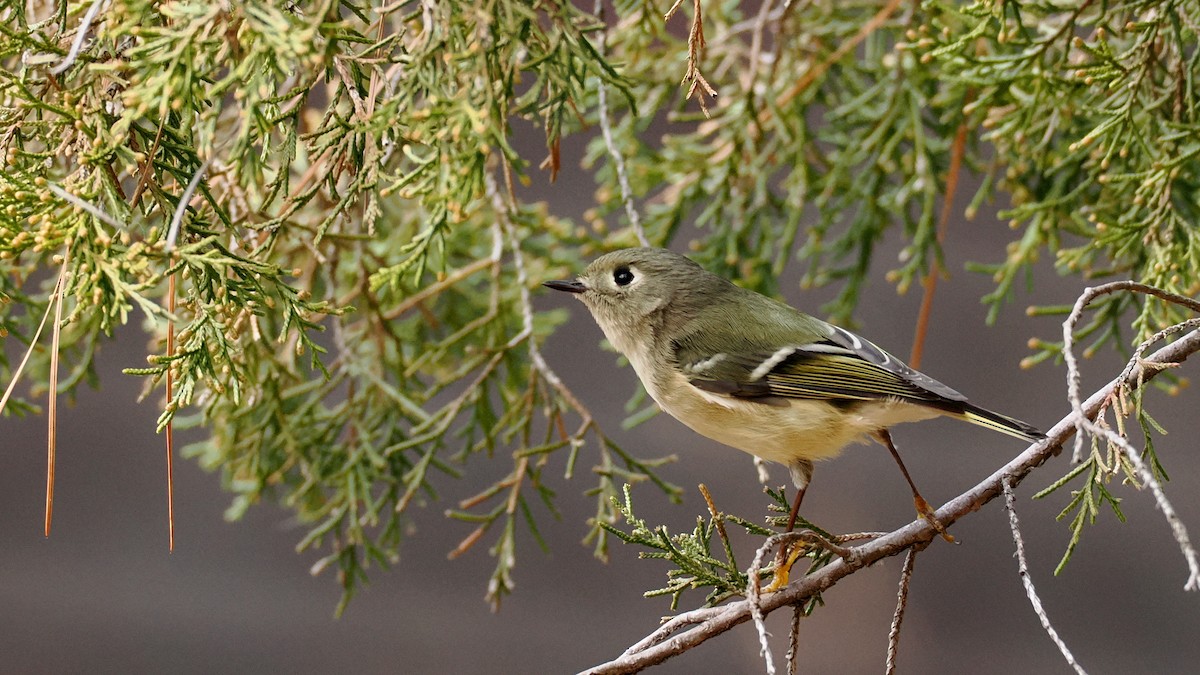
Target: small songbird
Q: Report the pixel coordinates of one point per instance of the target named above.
(756, 374)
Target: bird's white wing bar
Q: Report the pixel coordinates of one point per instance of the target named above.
(704, 365)
(773, 360)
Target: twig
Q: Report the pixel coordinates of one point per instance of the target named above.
(1023, 571)
(719, 521)
(710, 622)
(351, 89)
(181, 207)
(1089, 294)
(696, 45)
(85, 205)
(1190, 324)
(439, 286)
(148, 167)
(1176, 524)
(754, 590)
(793, 651)
(618, 159)
(81, 34)
(760, 626)
(695, 617)
(898, 617)
(503, 208)
(1085, 424)
(753, 593)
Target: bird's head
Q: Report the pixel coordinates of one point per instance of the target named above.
(627, 289)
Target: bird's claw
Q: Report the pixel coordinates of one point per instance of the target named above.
(788, 555)
(926, 511)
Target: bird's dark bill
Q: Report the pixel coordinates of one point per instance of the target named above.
(567, 286)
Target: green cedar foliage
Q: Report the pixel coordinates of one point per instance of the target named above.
(354, 261)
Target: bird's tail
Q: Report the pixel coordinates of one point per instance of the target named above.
(1002, 423)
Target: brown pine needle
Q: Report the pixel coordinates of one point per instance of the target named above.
(52, 396)
(466, 544)
(931, 278)
(172, 237)
(169, 435)
(148, 167)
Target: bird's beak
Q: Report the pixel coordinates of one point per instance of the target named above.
(568, 286)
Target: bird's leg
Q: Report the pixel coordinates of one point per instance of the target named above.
(923, 508)
(795, 513)
(802, 472)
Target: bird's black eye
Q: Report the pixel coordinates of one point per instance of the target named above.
(623, 276)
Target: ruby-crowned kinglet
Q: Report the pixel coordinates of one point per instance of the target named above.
(756, 374)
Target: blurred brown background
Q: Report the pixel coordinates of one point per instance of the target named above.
(103, 595)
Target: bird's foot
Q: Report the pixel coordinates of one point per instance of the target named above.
(788, 555)
(927, 512)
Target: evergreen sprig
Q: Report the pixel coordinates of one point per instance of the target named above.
(695, 565)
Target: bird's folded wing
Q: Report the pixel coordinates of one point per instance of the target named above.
(842, 367)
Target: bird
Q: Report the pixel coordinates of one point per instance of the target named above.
(758, 375)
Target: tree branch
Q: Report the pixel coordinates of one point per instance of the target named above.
(710, 622)
(610, 143)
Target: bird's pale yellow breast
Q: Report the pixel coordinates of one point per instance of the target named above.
(784, 431)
